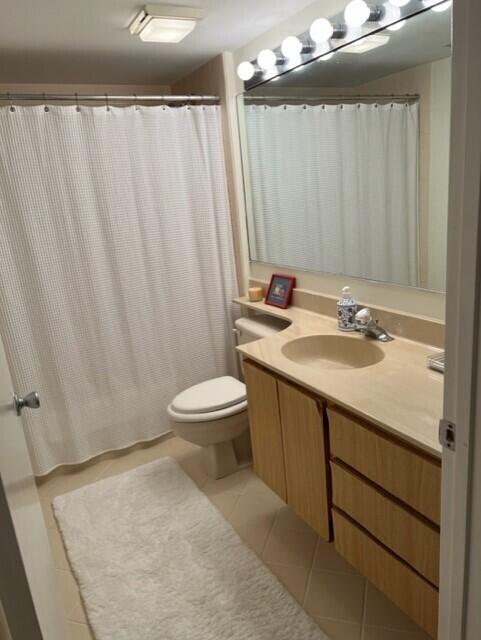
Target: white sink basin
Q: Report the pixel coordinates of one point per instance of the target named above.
(333, 352)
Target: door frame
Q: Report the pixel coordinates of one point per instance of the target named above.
(15, 594)
(460, 591)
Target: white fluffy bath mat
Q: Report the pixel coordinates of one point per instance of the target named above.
(155, 560)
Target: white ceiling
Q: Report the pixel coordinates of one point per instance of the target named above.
(87, 41)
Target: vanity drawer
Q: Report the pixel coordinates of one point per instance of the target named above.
(411, 537)
(411, 593)
(411, 476)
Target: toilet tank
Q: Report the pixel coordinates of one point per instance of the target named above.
(254, 328)
(261, 326)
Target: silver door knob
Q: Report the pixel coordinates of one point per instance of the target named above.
(31, 400)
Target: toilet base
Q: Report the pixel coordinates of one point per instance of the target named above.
(217, 439)
(219, 460)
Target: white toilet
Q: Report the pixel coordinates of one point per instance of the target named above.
(213, 413)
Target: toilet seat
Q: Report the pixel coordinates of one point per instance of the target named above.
(210, 400)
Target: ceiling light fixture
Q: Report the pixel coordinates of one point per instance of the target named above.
(165, 23)
(366, 44)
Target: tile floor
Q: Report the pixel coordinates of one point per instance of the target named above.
(344, 605)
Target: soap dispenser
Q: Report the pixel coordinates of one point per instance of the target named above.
(346, 311)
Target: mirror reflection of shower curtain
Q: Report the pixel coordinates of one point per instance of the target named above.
(117, 269)
(334, 188)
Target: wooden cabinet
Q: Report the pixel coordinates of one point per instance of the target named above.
(305, 456)
(409, 591)
(265, 428)
(413, 538)
(289, 445)
(382, 494)
(407, 474)
(386, 497)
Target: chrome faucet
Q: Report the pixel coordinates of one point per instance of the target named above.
(369, 327)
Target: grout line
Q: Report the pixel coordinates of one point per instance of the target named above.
(364, 608)
(269, 535)
(309, 577)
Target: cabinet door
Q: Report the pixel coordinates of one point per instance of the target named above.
(265, 427)
(305, 457)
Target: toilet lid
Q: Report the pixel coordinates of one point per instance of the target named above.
(211, 395)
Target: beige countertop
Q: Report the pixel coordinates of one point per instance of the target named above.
(399, 394)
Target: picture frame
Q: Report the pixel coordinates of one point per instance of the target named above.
(279, 293)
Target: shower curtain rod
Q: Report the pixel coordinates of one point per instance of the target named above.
(353, 98)
(78, 97)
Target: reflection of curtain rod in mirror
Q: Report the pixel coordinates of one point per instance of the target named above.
(335, 98)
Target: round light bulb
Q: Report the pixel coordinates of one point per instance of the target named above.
(356, 13)
(291, 47)
(321, 30)
(266, 59)
(391, 15)
(443, 6)
(246, 71)
(399, 3)
(397, 26)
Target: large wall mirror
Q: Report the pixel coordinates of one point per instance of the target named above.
(346, 158)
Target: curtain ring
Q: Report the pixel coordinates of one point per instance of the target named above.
(77, 108)
(45, 107)
(107, 102)
(12, 108)
(136, 102)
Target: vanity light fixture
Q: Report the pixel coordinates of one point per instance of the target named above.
(321, 30)
(317, 43)
(165, 23)
(358, 12)
(291, 47)
(267, 59)
(366, 44)
(246, 71)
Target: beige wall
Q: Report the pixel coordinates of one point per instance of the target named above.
(439, 172)
(217, 77)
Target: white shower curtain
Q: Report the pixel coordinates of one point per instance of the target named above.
(334, 188)
(117, 269)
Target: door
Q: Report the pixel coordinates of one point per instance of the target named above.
(28, 592)
(460, 586)
(265, 427)
(305, 460)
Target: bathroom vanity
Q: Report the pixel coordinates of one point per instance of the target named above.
(344, 430)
